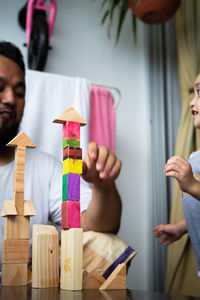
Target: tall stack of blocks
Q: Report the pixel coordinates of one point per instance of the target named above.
(72, 168)
(17, 212)
(71, 234)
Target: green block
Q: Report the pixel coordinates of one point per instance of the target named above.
(70, 142)
(64, 187)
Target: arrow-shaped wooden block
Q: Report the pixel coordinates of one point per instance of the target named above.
(70, 115)
(18, 206)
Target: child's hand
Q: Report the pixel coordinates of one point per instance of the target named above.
(180, 169)
(170, 233)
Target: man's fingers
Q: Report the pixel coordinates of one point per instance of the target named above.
(108, 165)
(116, 169)
(103, 154)
(92, 151)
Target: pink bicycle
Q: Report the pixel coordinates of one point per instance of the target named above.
(39, 28)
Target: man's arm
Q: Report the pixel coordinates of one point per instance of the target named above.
(100, 168)
(180, 169)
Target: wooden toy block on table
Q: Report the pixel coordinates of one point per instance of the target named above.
(70, 214)
(17, 212)
(116, 280)
(71, 259)
(16, 228)
(45, 256)
(14, 274)
(15, 251)
(93, 280)
(72, 238)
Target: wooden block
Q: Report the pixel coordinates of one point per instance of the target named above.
(70, 142)
(85, 274)
(14, 275)
(21, 140)
(70, 114)
(71, 187)
(70, 214)
(93, 281)
(16, 228)
(29, 209)
(15, 251)
(71, 259)
(18, 184)
(64, 187)
(18, 198)
(20, 155)
(72, 152)
(45, 256)
(72, 166)
(71, 130)
(116, 280)
(8, 208)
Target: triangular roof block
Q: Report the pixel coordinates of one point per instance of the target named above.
(71, 115)
(21, 140)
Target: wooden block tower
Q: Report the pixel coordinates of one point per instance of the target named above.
(17, 212)
(71, 234)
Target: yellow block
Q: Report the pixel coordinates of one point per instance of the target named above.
(71, 165)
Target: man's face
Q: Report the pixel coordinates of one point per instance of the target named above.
(12, 94)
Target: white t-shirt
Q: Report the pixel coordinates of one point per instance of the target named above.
(42, 185)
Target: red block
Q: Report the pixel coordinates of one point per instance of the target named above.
(71, 217)
(72, 152)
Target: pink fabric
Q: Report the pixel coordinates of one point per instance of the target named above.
(102, 118)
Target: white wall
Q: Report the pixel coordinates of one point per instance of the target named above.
(81, 48)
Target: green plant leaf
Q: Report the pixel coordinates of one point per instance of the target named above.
(122, 13)
(104, 17)
(122, 7)
(134, 28)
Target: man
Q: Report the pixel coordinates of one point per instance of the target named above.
(43, 173)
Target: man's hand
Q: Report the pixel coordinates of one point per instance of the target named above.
(180, 169)
(170, 233)
(100, 165)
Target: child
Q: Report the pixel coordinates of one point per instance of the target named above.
(185, 173)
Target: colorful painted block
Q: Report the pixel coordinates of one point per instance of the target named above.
(71, 130)
(70, 142)
(71, 187)
(72, 152)
(71, 134)
(64, 187)
(71, 217)
(71, 165)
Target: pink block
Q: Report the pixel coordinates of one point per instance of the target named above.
(71, 217)
(71, 130)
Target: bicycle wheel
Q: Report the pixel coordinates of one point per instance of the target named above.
(38, 50)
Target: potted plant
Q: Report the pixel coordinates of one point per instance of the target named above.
(148, 11)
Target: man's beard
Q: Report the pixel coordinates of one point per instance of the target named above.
(7, 134)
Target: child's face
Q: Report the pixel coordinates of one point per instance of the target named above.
(195, 103)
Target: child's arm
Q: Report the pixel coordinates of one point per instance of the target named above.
(180, 169)
(170, 232)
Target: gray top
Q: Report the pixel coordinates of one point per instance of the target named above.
(191, 208)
